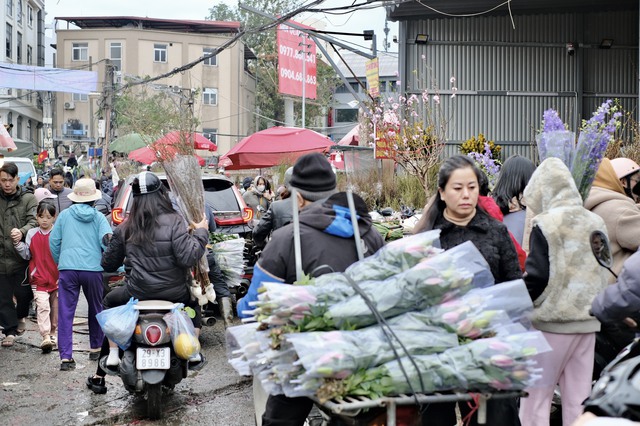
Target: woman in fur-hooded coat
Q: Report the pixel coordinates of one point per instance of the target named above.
(563, 278)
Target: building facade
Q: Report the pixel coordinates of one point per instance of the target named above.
(345, 109)
(140, 47)
(511, 64)
(23, 30)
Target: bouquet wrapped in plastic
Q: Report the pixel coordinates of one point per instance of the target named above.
(476, 314)
(336, 305)
(555, 140)
(500, 363)
(229, 256)
(340, 353)
(280, 303)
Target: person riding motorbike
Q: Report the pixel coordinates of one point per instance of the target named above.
(158, 252)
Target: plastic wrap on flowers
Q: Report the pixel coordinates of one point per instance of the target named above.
(433, 281)
(242, 345)
(280, 305)
(340, 353)
(500, 363)
(557, 144)
(229, 256)
(478, 313)
(396, 256)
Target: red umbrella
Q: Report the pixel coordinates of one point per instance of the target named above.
(199, 141)
(274, 146)
(146, 155)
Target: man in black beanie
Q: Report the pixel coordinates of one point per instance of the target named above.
(327, 245)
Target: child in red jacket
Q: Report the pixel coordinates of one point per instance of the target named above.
(43, 273)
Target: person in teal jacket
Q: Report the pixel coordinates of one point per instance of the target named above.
(77, 241)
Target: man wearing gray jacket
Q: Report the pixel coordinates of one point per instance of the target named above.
(621, 299)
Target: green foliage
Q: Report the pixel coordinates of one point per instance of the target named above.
(395, 191)
(269, 103)
(474, 144)
(151, 113)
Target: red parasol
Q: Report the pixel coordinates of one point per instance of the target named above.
(146, 155)
(199, 141)
(274, 146)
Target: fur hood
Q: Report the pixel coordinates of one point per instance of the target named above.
(551, 186)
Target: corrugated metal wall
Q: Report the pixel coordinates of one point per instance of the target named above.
(506, 78)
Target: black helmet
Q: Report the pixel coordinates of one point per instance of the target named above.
(617, 392)
(145, 183)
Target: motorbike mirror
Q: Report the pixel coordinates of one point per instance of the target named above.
(601, 249)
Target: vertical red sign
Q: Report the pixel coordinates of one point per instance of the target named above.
(293, 46)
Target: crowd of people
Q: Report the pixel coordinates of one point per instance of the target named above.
(533, 225)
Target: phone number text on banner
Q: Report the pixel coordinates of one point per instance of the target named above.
(293, 46)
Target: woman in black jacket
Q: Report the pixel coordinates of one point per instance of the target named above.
(158, 253)
(455, 212)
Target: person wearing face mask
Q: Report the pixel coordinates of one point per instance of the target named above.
(258, 197)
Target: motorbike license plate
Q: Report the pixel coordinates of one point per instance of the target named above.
(153, 358)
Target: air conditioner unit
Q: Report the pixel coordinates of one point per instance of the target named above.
(69, 105)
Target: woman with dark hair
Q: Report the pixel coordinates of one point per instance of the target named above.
(158, 253)
(258, 197)
(456, 213)
(514, 177)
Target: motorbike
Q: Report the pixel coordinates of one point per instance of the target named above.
(150, 366)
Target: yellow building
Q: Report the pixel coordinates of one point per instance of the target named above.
(140, 47)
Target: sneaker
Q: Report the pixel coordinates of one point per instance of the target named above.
(67, 364)
(53, 340)
(46, 345)
(97, 385)
(196, 362)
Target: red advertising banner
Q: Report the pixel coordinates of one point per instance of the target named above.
(293, 46)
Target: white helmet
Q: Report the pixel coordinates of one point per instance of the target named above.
(624, 167)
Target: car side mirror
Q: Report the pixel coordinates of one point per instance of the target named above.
(601, 249)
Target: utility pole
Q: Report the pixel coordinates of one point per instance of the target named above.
(304, 51)
(107, 91)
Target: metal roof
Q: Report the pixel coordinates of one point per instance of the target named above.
(417, 9)
(177, 25)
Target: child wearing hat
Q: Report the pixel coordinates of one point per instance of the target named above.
(76, 243)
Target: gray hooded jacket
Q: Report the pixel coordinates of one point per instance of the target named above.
(621, 299)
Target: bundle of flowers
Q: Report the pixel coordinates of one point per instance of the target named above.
(229, 256)
(398, 256)
(339, 354)
(336, 304)
(478, 313)
(584, 158)
(595, 136)
(499, 363)
(554, 140)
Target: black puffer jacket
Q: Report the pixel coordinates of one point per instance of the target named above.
(490, 237)
(159, 271)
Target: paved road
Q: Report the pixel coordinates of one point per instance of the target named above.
(33, 390)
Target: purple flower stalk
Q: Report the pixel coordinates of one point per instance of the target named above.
(551, 121)
(595, 135)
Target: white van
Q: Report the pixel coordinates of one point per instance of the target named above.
(26, 168)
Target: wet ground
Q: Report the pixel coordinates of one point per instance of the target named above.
(33, 390)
